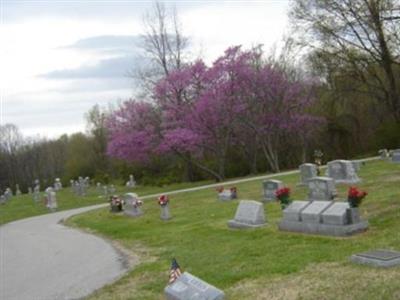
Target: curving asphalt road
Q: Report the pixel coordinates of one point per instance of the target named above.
(41, 259)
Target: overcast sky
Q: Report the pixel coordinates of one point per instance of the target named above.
(59, 58)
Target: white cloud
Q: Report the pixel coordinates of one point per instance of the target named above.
(67, 39)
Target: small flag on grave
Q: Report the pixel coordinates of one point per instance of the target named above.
(175, 271)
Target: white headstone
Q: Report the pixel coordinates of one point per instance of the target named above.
(249, 214)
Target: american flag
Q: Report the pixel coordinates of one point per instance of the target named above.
(175, 271)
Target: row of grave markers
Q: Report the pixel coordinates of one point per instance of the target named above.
(319, 214)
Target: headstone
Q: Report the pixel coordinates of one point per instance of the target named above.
(30, 191)
(99, 188)
(342, 171)
(312, 213)
(249, 214)
(116, 204)
(269, 188)
(377, 258)
(336, 214)
(383, 153)
(132, 205)
(2, 199)
(105, 190)
(36, 193)
(293, 211)
(165, 215)
(321, 188)
(8, 194)
(51, 199)
(189, 287)
(17, 190)
(57, 184)
(396, 156)
(112, 189)
(131, 183)
(307, 171)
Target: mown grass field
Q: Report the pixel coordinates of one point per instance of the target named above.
(259, 263)
(23, 206)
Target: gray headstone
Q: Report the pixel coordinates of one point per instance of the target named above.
(336, 214)
(396, 156)
(312, 213)
(292, 212)
(130, 209)
(378, 258)
(383, 153)
(307, 171)
(51, 199)
(189, 287)
(321, 188)
(249, 214)
(2, 199)
(270, 187)
(342, 171)
(165, 215)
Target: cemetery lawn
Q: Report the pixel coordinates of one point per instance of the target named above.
(259, 263)
(23, 206)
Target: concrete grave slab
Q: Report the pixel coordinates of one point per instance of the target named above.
(312, 213)
(378, 258)
(292, 212)
(189, 287)
(336, 214)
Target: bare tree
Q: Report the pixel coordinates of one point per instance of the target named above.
(163, 44)
(358, 37)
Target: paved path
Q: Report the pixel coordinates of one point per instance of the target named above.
(40, 259)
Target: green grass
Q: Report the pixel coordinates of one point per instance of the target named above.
(23, 206)
(262, 263)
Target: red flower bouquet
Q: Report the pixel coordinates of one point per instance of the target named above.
(283, 196)
(163, 200)
(355, 196)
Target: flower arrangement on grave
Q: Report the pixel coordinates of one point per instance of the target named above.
(233, 192)
(283, 196)
(137, 203)
(116, 203)
(355, 196)
(163, 200)
(219, 189)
